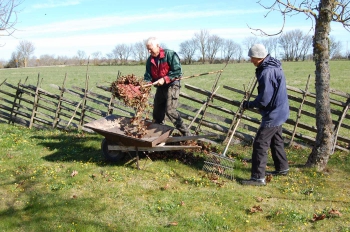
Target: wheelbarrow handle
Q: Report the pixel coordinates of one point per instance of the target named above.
(182, 78)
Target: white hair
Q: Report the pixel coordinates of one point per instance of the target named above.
(152, 40)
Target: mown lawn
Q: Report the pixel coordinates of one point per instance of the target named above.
(57, 181)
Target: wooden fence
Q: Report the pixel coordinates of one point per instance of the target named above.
(208, 112)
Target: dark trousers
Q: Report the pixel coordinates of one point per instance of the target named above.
(165, 103)
(268, 137)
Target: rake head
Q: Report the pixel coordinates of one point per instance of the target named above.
(220, 165)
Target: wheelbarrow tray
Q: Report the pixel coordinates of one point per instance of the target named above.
(111, 127)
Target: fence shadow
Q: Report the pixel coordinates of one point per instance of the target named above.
(71, 147)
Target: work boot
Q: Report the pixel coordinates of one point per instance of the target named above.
(277, 173)
(254, 182)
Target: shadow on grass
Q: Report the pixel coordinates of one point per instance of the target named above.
(37, 213)
(87, 148)
(71, 147)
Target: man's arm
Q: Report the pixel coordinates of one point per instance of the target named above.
(265, 94)
(175, 69)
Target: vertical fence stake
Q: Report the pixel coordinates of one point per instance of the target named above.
(299, 111)
(3, 82)
(336, 131)
(111, 105)
(35, 105)
(59, 103)
(19, 93)
(83, 104)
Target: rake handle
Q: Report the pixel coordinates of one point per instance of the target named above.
(240, 116)
(182, 78)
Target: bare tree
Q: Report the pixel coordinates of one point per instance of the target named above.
(291, 43)
(271, 44)
(188, 50)
(202, 41)
(334, 47)
(81, 56)
(305, 47)
(13, 62)
(214, 44)
(96, 56)
(47, 60)
(248, 42)
(231, 50)
(140, 52)
(110, 57)
(25, 49)
(122, 52)
(8, 16)
(321, 13)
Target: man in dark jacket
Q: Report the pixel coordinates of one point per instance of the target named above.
(272, 103)
(163, 68)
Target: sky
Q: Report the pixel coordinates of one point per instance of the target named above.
(62, 27)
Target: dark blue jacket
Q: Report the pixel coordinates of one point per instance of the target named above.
(272, 99)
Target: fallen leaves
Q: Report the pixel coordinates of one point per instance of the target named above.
(74, 173)
(331, 213)
(318, 217)
(268, 178)
(255, 209)
(173, 223)
(129, 89)
(334, 212)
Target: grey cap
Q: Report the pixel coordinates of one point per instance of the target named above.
(257, 51)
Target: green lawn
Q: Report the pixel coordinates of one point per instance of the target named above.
(57, 181)
(234, 74)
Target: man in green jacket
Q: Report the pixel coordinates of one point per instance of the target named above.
(163, 68)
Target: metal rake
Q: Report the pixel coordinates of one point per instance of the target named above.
(220, 164)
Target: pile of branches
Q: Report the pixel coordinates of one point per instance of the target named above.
(129, 90)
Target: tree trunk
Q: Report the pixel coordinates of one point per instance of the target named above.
(324, 138)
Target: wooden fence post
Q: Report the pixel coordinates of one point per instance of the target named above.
(35, 103)
(3, 82)
(299, 111)
(58, 110)
(340, 120)
(111, 104)
(83, 104)
(19, 93)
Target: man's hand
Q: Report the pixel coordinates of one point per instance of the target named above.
(160, 82)
(245, 105)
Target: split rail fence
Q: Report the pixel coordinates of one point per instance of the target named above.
(203, 110)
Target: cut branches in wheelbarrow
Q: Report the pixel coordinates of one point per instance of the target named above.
(118, 141)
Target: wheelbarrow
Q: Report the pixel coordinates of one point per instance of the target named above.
(116, 144)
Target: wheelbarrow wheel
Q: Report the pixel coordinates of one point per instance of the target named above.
(113, 156)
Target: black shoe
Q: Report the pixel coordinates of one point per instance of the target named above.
(277, 173)
(254, 182)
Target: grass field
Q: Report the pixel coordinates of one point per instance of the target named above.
(55, 180)
(233, 75)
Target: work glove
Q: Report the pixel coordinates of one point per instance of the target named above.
(245, 105)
